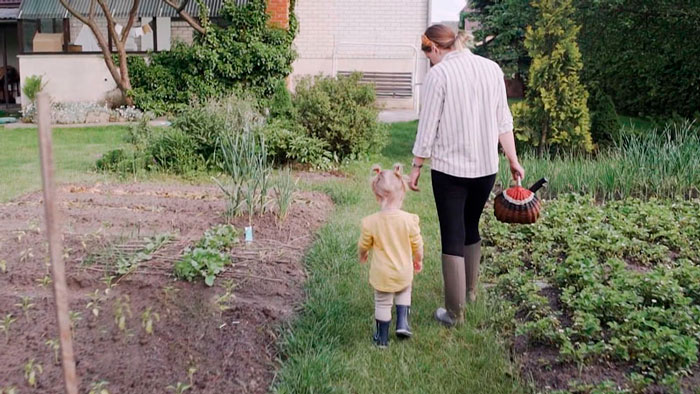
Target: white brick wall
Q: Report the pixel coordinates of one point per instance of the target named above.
(325, 24)
(181, 31)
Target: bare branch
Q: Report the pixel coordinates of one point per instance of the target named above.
(75, 13)
(92, 10)
(111, 29)
(184, 15)
(130, 22)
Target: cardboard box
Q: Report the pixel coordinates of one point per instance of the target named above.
(48, 42)
(75, 48)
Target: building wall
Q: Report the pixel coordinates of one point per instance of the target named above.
(328, 25)
(63, 83)
(182, 32)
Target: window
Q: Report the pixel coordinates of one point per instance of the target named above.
(30, 27)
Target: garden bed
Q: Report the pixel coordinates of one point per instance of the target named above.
(600, 297)
(217, 339)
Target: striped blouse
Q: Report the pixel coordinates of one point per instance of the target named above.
(464, 110)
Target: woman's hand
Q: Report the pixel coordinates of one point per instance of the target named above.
(413, 179)
(517, 170)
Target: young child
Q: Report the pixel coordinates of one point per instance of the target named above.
(394, 238)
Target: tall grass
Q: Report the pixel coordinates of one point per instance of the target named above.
(652, 163)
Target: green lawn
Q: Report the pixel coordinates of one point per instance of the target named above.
(328, 348)
(75, 153)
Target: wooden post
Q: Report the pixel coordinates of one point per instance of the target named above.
(5, 77)
(55, 243)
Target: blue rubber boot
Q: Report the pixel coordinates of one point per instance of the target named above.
(403, 330)
(381, 336)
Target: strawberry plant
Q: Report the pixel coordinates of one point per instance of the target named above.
(627, 280)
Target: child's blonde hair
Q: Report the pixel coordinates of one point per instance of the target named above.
(389, 184)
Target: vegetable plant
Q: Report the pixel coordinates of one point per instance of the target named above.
(32, 370)
(5, 327)
(26, 305)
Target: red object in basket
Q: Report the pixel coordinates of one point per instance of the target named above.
(518, 204)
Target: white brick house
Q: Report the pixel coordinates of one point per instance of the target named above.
(363, 35)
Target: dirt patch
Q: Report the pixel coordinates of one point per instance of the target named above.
(224, 345)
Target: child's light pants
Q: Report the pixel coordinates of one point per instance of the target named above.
(384, 301)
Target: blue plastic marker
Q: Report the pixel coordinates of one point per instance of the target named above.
(249, 234)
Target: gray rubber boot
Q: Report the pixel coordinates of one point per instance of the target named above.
(455, 290)
(472, 259)
(381, 336)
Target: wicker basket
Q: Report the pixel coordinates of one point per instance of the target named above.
(518, 204)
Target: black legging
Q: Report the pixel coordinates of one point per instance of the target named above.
(459, 203)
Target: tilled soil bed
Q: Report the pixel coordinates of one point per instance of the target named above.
(201, 336)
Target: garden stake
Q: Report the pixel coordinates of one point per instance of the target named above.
(55, 244)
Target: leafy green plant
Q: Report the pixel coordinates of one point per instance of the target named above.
(6, 324)
(179, 388)
(147, 319)
(289, 142)
(340, 112)
(626, 278)
(45, 281)
(244, 161)
(74, 317)
(220, 237)
(263, 57)
(55, 346)
(200, 262)
(122, 311)
(284, 193)
(26, 305)
(32, 370)
(99, 387)
(8, 390)
(33, 85)
(95, 303)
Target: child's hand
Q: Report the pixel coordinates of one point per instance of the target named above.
(363, 257)
(418, 266)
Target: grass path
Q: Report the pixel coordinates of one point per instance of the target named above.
(328, 349)
(75, 153)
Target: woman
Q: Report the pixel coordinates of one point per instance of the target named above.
(464, 116)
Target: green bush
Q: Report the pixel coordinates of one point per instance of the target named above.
(207, 123)
(33, 84)
(342, 113)
(246, 54)
(289, 142)
(175, 151)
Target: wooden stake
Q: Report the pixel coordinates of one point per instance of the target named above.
(55, 244)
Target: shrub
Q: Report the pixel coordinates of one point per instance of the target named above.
(33, 84)
(557, 99)
(175, 151)
(206, 124)
(248, 53)
(288, 142)
(340, 112)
